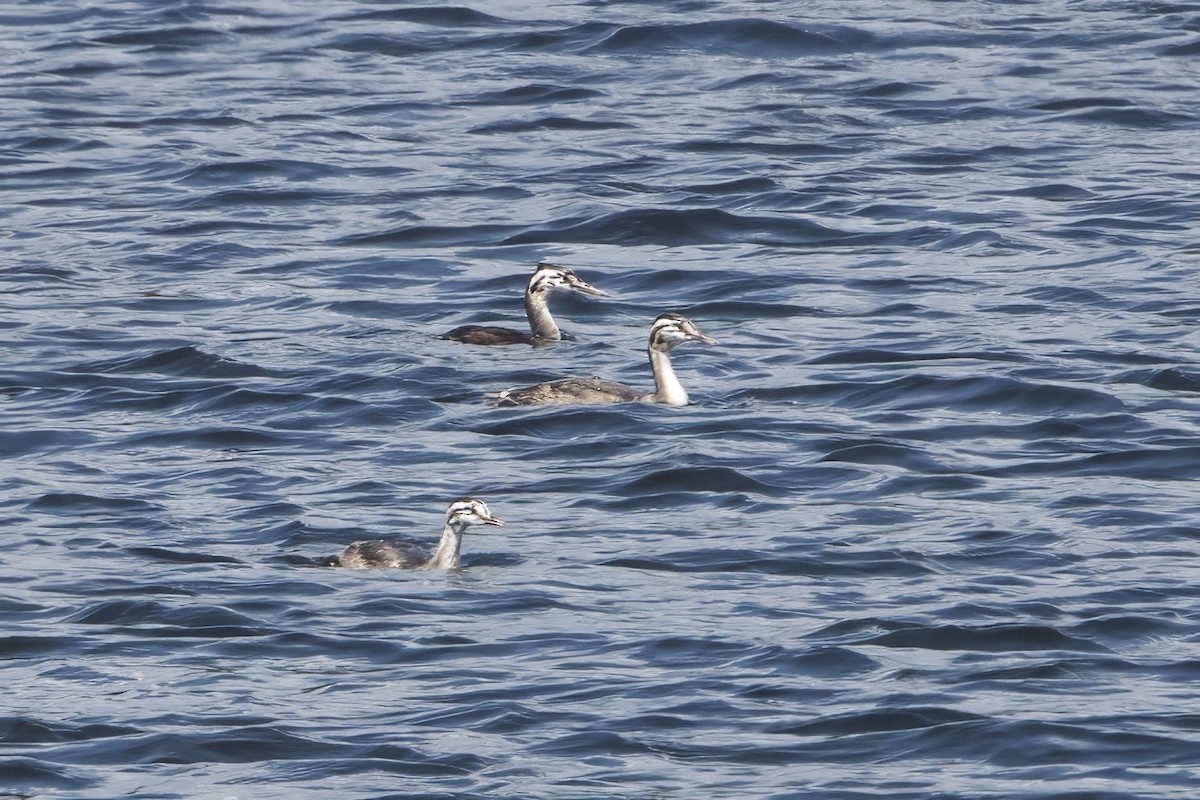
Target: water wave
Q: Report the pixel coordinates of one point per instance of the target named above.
(927, 528)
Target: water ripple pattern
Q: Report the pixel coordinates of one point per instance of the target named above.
(930, 527)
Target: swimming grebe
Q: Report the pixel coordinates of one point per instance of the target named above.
(546, 279)
(376, 553)
(667, 332)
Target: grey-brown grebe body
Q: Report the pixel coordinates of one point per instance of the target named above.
(377, 553)
(547, 278)
(666, 333)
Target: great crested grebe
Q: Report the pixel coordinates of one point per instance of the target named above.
(376, 553)
(666, 332)
(546, 279)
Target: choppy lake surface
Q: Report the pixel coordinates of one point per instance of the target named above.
(929, 528)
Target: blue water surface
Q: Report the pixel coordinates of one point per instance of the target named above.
(929, 529)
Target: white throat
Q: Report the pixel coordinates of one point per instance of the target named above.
(448, 550)
(669, 390)
(537, 310)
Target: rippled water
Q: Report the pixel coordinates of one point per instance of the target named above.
(929, 529)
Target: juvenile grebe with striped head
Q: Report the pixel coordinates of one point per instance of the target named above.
(547, 278)
(377, 553)
(666, 333)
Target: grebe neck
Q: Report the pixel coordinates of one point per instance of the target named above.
(448, 549)
(668, 389)
(537, 309)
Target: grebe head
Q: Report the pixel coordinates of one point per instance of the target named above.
(547, 277)
(670, 330)
(469, 511)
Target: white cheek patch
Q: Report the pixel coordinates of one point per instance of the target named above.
(667, 332)
(461, 510)
(546, 283)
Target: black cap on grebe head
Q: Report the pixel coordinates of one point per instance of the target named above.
(670, 330)
(548, 277)
(468, 511)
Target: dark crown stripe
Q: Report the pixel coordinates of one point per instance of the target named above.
(467, 506)
(545, 278)
(662, 323)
